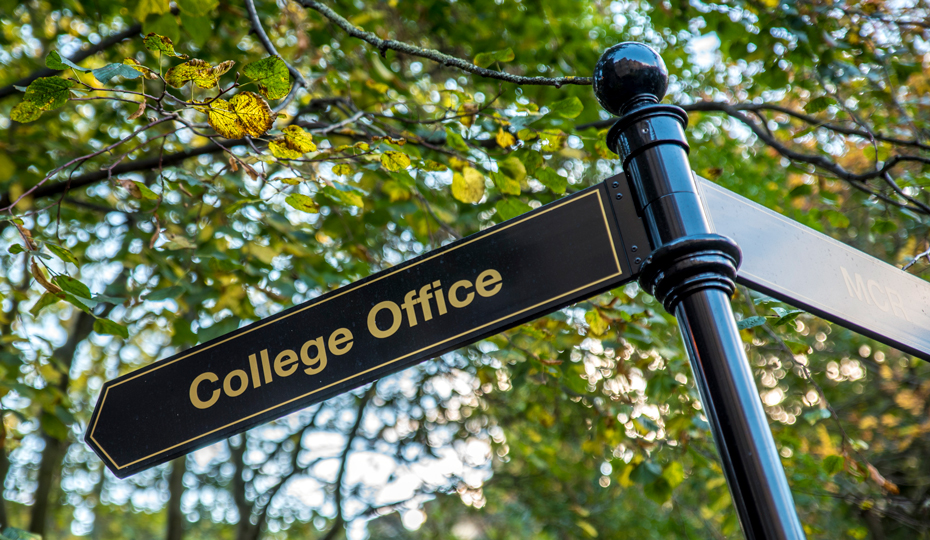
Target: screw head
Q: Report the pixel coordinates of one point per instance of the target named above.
(634, 248)
(637, 260)
(619, 196)
(616, 184)
(629, 74)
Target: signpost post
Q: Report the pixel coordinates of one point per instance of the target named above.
(584, 244)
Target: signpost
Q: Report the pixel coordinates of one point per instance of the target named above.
(456, 295)
(812, 271)
(589, 242)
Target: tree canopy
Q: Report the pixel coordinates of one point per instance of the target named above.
(171, 171)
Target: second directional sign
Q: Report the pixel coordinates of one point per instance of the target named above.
(473, 288)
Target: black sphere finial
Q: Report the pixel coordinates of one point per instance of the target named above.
(629, 74)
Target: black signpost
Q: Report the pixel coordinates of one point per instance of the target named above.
(677, 233)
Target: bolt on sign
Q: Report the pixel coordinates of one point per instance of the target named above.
(473, 288)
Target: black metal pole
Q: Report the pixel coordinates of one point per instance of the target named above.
(692, 271)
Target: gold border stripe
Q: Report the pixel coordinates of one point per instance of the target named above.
(351, 289)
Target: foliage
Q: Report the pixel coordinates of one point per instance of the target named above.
(179, 170)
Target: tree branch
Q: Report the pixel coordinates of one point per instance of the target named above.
(337, 523)
(431, 54)
(81, 55)
(269, 46)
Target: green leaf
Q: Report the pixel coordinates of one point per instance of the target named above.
(55, 61)
(506, 185)
(62, 253)
(49, 93)
(751, 322)
(15, 249)
(567, 108)
(800, 190)
(146, 192)
(302, 203)
(596, 322)
(271, 75)
(200, 29)
(73, 286)
(485, 59)
(674, 474)
(818, 104)
(161, 44)
(165, 294)
(47, 299)
(513, 168)
(509, 208)
(53, 426)
(344, 196)
(144, 8)
(25, 112)
(646, 472)
(455, 141)
(197, 8)
(587, 528)
(833, 464)
(395, 161)
(110, 71)
(110, 328)
(552, 180)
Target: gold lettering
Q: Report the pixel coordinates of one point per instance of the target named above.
(423, 300)
(283, 363)
(488, 278)
(395, 324)
(340, 341)
(440, 299)
(316, 363)
(453, 298)
(243, 382)
(409, 304)
(195, 398)
(253, 366)
(266, 366)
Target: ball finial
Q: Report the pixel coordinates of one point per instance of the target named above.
(629, 74)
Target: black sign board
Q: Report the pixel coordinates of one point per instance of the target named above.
(805, 268)
(470, 289)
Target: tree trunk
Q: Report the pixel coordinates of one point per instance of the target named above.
(175, 529)
(54, 449)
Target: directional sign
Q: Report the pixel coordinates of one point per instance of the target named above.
(805, 268)
(470, 289)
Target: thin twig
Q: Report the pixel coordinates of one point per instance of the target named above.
(431, 54)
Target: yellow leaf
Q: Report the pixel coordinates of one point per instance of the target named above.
(297, 139)
(224, 119)
(395, 161)
(468, 187)
(201, 73)
(146, 7)
(342, 169)
(505, 139)
(254, 113)
(280, 150)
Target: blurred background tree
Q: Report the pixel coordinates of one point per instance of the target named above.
(133, 228)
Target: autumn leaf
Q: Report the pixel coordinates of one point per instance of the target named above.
(395, 161)
(148, 7)
(468, 186)
(197, 8)
(201, 73)
(254, 114)
(342, 169)
(25, 112)
(161, 44)
(224, 119)
(43, 281)
(504, 139)
(271, 75)
(139, 111)
(294, 143)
